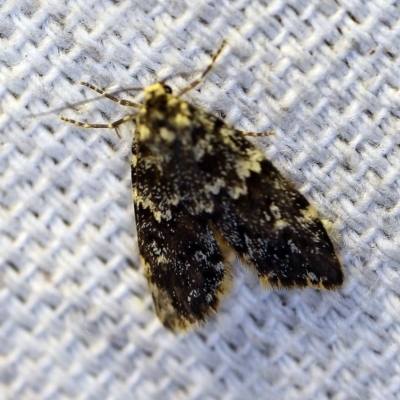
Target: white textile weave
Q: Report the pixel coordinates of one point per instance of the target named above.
(76, 315)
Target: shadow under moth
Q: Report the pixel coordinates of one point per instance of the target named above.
(199, 187)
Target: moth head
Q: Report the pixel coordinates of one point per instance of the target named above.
(156, 90)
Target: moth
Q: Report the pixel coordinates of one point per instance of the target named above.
(201, 187)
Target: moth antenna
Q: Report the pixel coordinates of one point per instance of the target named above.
(205, 72)
(109, 96)
(83, 102)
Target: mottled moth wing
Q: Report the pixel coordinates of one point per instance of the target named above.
(197, 180)
(186, 271)
(269, 224)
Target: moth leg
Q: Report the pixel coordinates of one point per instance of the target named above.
(205, 72)
(114, 125)
(254, 134)
(111, 97)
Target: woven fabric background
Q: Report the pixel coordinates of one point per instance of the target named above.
(76, 316)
